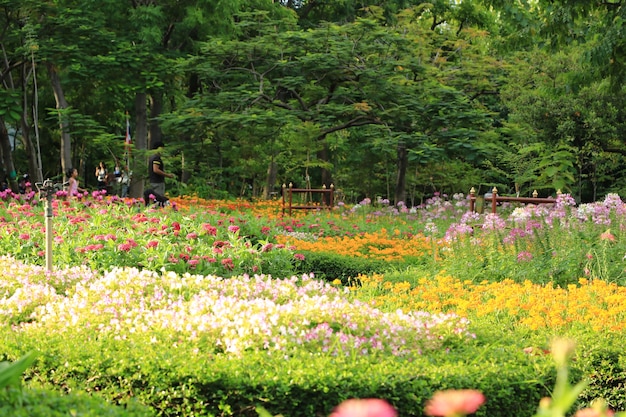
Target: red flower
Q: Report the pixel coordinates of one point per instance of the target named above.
(228, 264)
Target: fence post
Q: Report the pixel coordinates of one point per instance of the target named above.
(494, 196)
(283, 194)
(472, 194)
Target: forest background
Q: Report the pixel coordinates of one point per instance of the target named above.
(395, 99)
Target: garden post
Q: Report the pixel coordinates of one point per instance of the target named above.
(48, 192)
(494, 197)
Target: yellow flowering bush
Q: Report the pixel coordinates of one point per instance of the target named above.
(595, 303)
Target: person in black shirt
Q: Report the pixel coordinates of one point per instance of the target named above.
(156, 171)
(101, 176)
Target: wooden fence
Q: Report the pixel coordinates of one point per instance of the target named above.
(495, 199)
(326, 201)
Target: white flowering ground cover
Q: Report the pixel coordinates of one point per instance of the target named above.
(213, 314)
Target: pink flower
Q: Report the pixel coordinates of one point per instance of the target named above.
(124, 247)
(152, 244)
(368, 407)
(265, 230)
(592, 412)
(24, 236)
(299, 256)
(454, 403)
(192, 235)
(233, 229)
(210, 230)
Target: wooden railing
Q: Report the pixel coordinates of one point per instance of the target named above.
(327, 198)
(495, 199)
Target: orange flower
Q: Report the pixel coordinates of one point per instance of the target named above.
(454, 403)
(368, 407)
(607, 236)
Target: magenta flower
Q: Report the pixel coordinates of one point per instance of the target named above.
(152, 244)
(369, 407)
(24, 236)
(192, 235)
(233, 229)
(299, 256)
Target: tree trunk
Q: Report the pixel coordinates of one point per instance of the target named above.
(138, 164)
(7, 158)
(327, 176)
(403, 162)
(156, 108)
(61, 103)
(270, 179)
(31, 152)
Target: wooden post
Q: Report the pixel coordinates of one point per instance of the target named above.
(290, 197)
(284, 189)
(472, 194)
(494, 196)
(332, 196)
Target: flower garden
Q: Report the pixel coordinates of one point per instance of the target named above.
(219, 308)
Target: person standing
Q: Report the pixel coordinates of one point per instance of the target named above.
(73, 189)
(101, 176)
(125, 181)
(156, 170)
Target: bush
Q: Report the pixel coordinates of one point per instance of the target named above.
(330, 266)
(178, 381)
(49, 403)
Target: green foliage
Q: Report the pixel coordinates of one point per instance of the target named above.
(176, 382)
(604, 363)
(330, 266)
(51, 403)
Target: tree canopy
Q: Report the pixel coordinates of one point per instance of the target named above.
(394, 99)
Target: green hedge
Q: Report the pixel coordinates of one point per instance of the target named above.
(177, 381)
(330, 266)
(50, 403)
